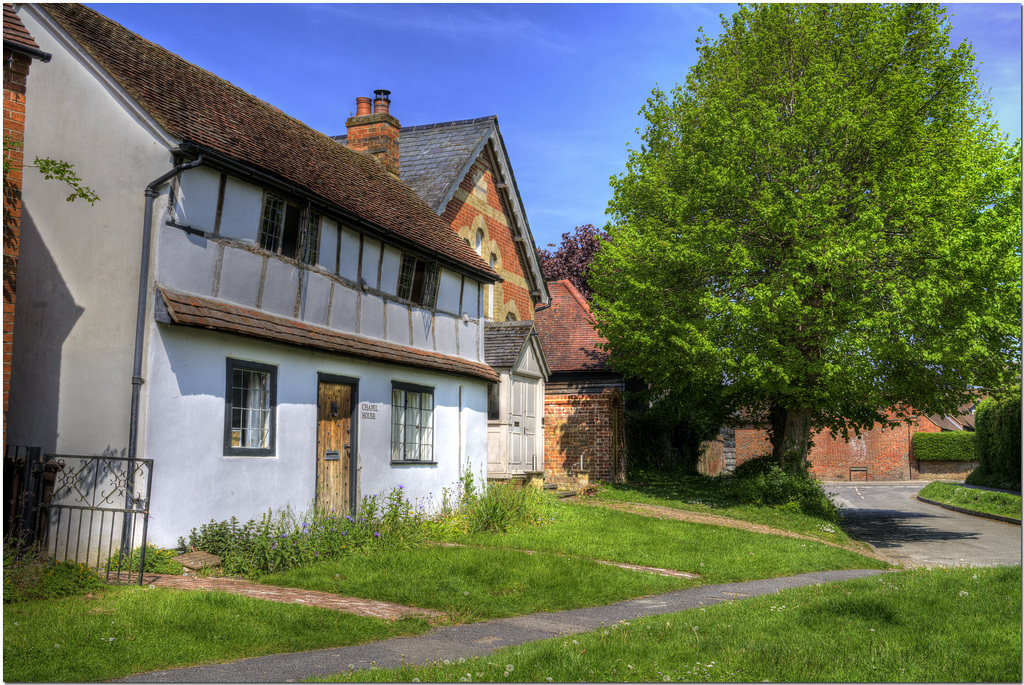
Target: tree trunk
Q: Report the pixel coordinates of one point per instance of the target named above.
(790, 432)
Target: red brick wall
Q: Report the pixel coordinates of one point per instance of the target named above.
(586, 426)
(879, 454)
(466, 212)
(16, 67)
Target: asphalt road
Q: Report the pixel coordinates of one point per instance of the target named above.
(889, 517)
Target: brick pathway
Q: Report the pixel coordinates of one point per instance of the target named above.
(326, 600)
(711, 519)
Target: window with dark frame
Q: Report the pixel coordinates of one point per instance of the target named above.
(412, 423)
(285, 225)
(250, 409)
(417, 281)
(493, 402)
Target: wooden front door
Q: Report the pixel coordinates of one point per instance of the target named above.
(335, 447)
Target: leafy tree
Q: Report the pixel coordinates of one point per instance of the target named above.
(824, 222)
(573, 257)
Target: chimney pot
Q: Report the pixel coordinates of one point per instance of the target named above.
(362, 106)
(381, 102)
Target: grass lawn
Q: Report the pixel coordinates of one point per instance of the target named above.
(985, 501)
(472, 584)
(505, 582)
(714, 496)
(947, 625)
(119, 631)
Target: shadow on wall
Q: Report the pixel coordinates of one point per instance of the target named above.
(45, 314)
(584, 435)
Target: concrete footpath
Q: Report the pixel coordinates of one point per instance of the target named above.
(479, 639)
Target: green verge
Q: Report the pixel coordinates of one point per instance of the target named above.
(119, 631)
(941, 625)
(984, 501)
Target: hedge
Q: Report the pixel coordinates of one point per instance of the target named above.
(998, 443)
(950, 446)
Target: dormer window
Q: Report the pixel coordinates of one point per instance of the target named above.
(417, 281)
(282, 229)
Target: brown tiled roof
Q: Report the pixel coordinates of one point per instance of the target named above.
(189, 310)
(200, 108)
(15, 31)
(567, 333)
(504, 340)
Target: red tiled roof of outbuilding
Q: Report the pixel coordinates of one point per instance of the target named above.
(200, 108)
(567, 333)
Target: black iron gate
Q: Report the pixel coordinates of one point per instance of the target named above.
(92, 510)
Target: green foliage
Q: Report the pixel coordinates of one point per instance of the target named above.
(504, 506)
(29, 575)
(158, 560)
(762, 482)
(948, 446)
(810, 220)
(54, 169)
(997, 423)
(283, 541)
(665, 432)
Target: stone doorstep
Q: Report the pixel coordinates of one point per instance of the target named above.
(198, 560)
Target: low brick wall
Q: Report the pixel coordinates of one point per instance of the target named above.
(944, 470)
(583, 434)
(880, 454)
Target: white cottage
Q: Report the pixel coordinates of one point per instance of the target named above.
(271, 317)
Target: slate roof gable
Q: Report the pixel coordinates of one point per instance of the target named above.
(504, 340)
(567, 331)
(202, 109)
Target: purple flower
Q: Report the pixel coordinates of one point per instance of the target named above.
(344, 532)
(376, 534)
(401, 487)
(305, 525)
(284, 535)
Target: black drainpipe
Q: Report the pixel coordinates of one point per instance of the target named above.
(140, 328)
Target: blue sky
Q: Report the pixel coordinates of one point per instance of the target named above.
(566, 81)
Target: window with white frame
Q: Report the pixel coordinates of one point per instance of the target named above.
(285, 226)
(412, 423)
(250, 404)
(417, 281)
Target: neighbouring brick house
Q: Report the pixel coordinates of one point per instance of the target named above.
(583, 411)
(461, 169)
(301, 327)
(19, 51)
(880, 454)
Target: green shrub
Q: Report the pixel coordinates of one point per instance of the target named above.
(948, 446)
(504, 506)
(28, 574)
(998, 443)
(761, 482)
(158, 560)
(282, 541)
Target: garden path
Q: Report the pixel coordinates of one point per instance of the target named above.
(288, 595)
(713, 520)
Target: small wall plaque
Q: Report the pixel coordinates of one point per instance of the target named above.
(332, 456)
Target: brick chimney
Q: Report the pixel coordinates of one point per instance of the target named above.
(375, 132)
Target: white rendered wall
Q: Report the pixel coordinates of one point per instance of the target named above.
(79, 264)
(194, 482)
